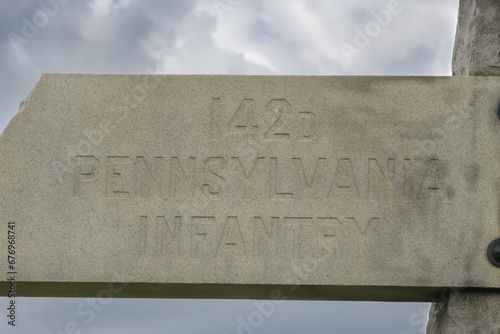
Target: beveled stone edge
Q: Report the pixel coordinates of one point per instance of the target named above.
(230, 291)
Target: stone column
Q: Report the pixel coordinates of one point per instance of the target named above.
(477, 41)
(467, 311)
(476, 53)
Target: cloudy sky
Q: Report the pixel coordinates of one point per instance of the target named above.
(297, 37)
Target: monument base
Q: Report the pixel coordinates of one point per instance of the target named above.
(468, 311)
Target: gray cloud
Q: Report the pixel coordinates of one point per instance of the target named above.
(194, 36)
(48, 315)
(248, 37)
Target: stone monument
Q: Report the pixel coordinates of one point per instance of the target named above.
(358, 188)
(263, 187)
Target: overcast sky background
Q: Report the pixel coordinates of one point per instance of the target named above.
(275, 37)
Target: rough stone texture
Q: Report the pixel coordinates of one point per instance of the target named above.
(368, 188)
(477, 41)
(469, 311)
(476, 53)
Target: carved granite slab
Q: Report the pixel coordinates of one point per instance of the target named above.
(361, 188)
